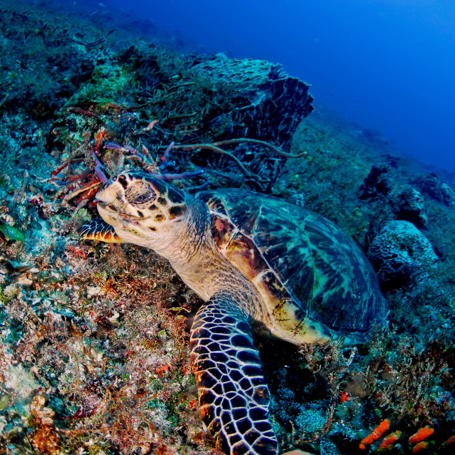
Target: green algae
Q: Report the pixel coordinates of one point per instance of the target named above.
(108, 85)
(12, 233)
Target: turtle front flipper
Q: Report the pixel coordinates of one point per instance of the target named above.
(100, 231)
(233, 395)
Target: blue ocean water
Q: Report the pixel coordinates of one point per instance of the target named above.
(387, 65)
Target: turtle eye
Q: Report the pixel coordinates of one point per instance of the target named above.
(140, 193)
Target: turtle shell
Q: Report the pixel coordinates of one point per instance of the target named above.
(313, 279)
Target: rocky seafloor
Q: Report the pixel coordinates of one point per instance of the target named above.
(94, 337)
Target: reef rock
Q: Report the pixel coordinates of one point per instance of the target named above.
(432, 186)
(400, 253)
(409, 205)
(376, 184)
(265, 102)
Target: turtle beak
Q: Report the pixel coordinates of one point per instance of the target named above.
(107, 215)
(105, 203)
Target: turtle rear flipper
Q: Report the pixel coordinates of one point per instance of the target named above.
(233, 395)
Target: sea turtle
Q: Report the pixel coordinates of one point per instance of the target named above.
(250, 257)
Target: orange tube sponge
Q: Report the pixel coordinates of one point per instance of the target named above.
(422, 445)
(375, 434)
(421, 434)
(449, 441)
(389, 441)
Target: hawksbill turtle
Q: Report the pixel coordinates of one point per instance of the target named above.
(250, 257)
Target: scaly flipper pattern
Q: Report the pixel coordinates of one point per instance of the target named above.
(100, 231)
(233, 395)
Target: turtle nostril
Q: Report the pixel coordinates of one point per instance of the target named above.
(122, 180)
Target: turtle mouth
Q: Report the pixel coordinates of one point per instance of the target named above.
(109, 210)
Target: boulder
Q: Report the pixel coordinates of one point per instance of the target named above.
(409, 205)
(400, 253)
(431, 185)
(261, 101)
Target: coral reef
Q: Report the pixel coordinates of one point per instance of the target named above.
(94, 338)
(410, 206)
(435, 188)
(400, 252)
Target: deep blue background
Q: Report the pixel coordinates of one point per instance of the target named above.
(388, 65)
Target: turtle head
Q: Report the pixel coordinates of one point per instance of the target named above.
(142, 209)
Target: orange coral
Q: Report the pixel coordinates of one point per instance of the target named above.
(44, 439)
(375, 434)
(421, 434)
(100, 136)
(449, 441)
(422, 445)
(161, 370)
(389, 441)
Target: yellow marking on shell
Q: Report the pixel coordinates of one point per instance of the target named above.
(282, 313)
(243, 258)
(241, 251)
